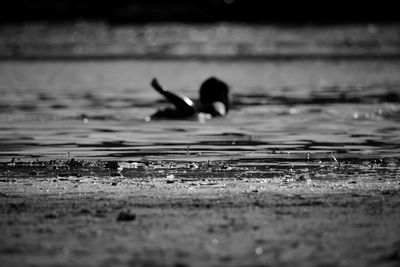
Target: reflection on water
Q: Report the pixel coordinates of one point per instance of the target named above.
(282, 110)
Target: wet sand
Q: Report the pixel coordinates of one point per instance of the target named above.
(73, 213)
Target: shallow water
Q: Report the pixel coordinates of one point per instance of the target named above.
(297, 110)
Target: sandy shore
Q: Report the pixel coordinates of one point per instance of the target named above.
(197, 214)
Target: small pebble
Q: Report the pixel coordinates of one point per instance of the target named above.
(85, 211)
(259, 251)
(51, 216)
(126, 216)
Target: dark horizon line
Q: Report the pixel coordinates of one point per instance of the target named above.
(263, 57)
(283, 22)
(286, 20)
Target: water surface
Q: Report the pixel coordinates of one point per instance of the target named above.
(298, 109)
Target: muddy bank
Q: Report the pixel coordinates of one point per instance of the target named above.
(198, 214)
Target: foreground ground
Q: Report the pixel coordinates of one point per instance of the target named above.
(199, 214)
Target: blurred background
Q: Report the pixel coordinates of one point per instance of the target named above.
(128, 11)
(157, 29)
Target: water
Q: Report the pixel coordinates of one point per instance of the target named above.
(281, 109)
(289, 110)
